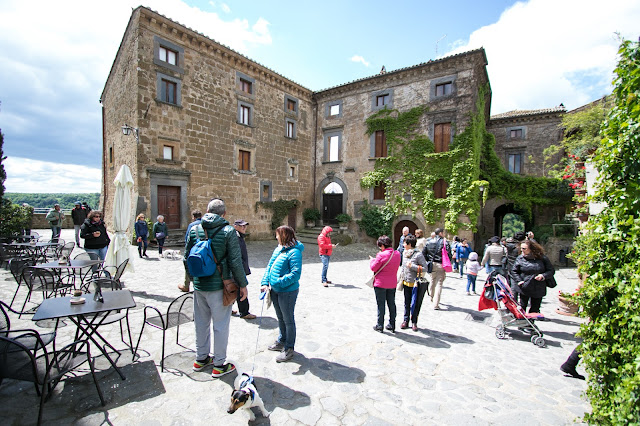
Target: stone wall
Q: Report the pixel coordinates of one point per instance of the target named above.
(39, 221)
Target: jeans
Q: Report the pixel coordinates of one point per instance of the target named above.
(461, 265)
(285, 304)
(160, 244)
(144, 243)
(437, 280)
(55, 233)
(207, 310)
(76, 230)
(325, 265)
(408, 298)
(471, 282)
(101, 253)
(492, 268)
(387, 295)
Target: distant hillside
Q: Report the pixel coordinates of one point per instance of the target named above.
(66, 201)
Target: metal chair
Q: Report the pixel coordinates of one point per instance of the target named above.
(5, 329)
(16, 266)
(180, 312)
(18, 362)
(118, 274)
(66, 249)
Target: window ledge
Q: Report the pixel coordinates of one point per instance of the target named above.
(245, 125)
(332, 162)
(165, 161)
(376, 158)
(168, 103)
(244, 172)
(295, 138)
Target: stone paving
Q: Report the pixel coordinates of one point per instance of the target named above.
(452, 371)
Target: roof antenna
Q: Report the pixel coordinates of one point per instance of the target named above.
(438, 41)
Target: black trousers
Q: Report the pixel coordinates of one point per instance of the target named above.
(243, 305)
(535, 303)
(388, 296)
(408, 293)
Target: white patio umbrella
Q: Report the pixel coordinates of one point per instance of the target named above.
(119, 247)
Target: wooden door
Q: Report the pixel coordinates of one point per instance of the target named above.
(331, 207)
(169, 205)
(291, 221)
(397, 230)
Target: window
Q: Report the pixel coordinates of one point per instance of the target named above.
(290, 105)
(381, 144)
(266, 193)
(440, 189)
(444, 89)
(441, 137)
(515, 134)
(292, 171)
(334, 146)
(168, 89)
(382, 100)
(379, 191)
(167, 55)
(515, 163)
(291, 127)
(110, 155)
(245, 113)
(334, 110)
(244, 160)
(246, 86)
(167, 152)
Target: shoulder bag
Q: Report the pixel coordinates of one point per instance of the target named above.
(369, 282)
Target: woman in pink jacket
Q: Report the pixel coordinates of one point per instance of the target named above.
(325, 248)
(384, 284)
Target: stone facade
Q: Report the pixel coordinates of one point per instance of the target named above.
(213, 123)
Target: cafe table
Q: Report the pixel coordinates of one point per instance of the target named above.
(84, 315)
(71, 266)
(38, 249)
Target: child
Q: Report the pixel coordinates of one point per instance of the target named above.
(472, 271)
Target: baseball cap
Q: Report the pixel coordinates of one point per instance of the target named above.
(240, 222)
(78, 203)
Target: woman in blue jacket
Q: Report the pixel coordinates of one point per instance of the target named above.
(282, 277)
(142, 232)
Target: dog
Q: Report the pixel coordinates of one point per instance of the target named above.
(245, 395)
(171, 254)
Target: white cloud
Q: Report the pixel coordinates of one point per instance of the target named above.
(358, 58)
(25, 175)
(225, 8)
(545, 52)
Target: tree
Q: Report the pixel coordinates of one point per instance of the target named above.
(607, 256)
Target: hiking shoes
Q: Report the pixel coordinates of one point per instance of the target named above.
(222, 370)
(378, 328)
(248, 316)
(277, 346)
(391, 328)
(200, 365)
(285, 355)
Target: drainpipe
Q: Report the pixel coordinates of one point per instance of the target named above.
(315, 150)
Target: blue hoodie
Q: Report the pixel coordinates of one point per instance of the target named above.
(284, 268)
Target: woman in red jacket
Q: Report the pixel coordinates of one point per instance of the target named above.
(325, 248)
(386, 262)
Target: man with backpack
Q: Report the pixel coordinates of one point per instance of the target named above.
(208, 306)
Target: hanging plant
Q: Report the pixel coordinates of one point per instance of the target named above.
(280, 210)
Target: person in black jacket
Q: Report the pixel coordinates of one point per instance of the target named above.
(243, 305)
(78, 214)
(433, 252)
(531, 271)
(513, 251)
(94, 233)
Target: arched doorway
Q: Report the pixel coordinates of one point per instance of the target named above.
(397, 230)
(332, 198)
(516, 219)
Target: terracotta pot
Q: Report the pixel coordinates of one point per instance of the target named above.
(580, 179)
(579, 164)
(580, 191)
(583, 217)
(566, 307)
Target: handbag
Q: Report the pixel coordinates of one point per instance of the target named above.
(551, 282)
(369, 282)
(229, 286)
(446, 263)
(160, 235)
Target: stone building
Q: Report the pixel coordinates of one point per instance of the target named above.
(213, 123)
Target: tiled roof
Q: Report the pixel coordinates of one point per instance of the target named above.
(527, 112)
(386, 73)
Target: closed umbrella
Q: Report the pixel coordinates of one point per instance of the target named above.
(118, 250)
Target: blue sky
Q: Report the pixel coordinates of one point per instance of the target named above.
(56, 57)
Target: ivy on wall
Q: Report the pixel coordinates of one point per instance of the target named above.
(412, 167)
(280, 210)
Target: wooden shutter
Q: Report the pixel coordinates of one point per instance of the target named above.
(379, 191)
(440, 189)
(441, 137)
(381, 144)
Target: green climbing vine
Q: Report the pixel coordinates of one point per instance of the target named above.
(280, 210)
(412, 167)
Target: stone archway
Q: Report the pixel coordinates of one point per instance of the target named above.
(501, 211)
(334, 201)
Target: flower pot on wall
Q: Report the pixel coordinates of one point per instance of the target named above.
(566, 307)
(310, 223)
(344, 226)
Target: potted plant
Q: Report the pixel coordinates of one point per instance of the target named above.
(343, 219)
(566, 306)
(310, 216)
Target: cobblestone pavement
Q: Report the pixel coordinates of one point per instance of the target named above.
(452, 371)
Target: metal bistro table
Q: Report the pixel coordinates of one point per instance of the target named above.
(38, 249)
(71, 265)
(83, 315)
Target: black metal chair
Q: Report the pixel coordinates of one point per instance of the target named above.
(16, 266)
(5, 329)
(45, 371)
(179, 312)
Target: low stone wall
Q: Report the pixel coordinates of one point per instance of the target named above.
(553, 247)
(39, 221)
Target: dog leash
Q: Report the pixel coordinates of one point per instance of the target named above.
(262, 297)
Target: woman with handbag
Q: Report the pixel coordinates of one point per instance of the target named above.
(533, 273)
(282, 279)
(413, 284)
(161, 231)
(142, 234)
(385, 266)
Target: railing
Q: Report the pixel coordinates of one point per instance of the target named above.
(45, 210)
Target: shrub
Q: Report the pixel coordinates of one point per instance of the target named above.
(375, 221)
(14, 218)
(343, 218)
(311, 214)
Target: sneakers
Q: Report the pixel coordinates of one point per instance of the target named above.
(468, 294)
(390, 328)
(277, 347)
(404, 325)
(200, 365)
(248, 316)
(414, 327)
(222, 370)
(378, 328)
(285, 355)
(325, 285)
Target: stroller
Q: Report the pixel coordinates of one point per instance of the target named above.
(497, 295)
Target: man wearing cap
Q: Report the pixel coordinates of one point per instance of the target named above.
(494, 254)
(78, 214)
(243, 305)
(55, 218)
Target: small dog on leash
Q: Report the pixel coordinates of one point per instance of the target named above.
(171, 254)
(245, 395)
